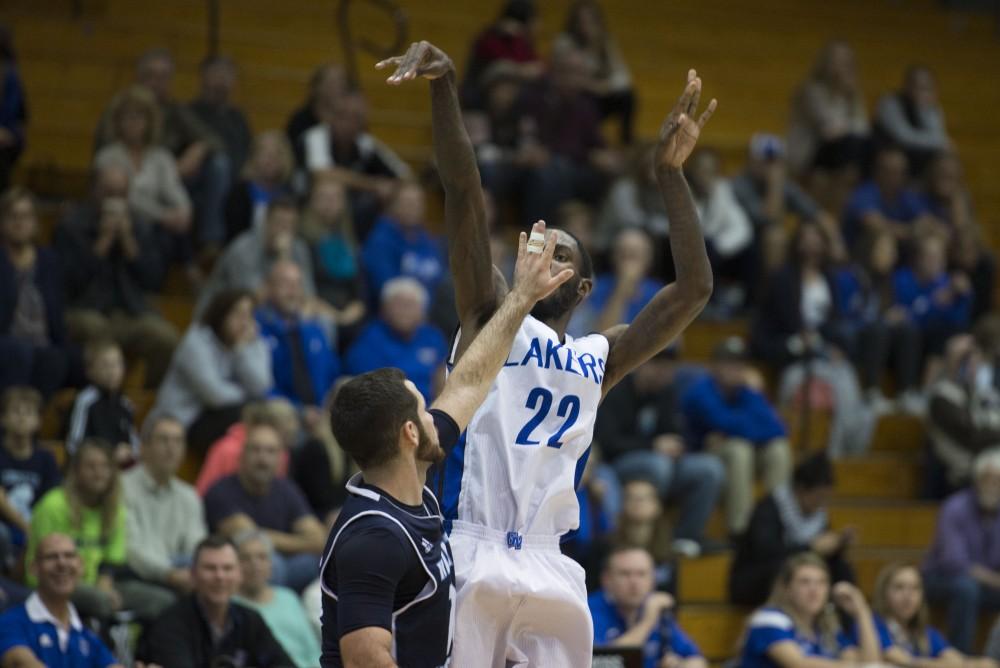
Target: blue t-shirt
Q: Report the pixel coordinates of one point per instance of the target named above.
(419, 357)
(278, 510)
(585, 318)
(30, 625)
(867, 198)
(25, 481)
(918, 299)
(667, 636)
(769, 626)
(746, 413)
(936, 642)
(392, 250)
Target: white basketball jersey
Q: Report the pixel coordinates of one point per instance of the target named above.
(517, 466)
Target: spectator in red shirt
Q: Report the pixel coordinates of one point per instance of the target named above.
(509, 41)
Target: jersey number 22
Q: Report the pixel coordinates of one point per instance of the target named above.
(540, 401)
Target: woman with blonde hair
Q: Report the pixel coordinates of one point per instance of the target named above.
(156, 191)
(798, 627)
(265, 176)
(903, 627)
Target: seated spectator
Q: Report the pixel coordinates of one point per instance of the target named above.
(200, 155)
(326, 85)
(13, 112)
(790, 520)
(280, 607)
(509, 42)
(558, 150)
(912, 119)
(608, 80)
(328, 229)
(206, 627)
(641, 433)
(799, 314)
(304, 361)
(256, 497)
(874, 328)
(729, 235)
(962, 567)
(400, 337)
(32, 327)
(902, 624)
(619, 296)
(627, 612)
(111, 257)
(400, 245)
(164, 521)
(887, 203)
(343, 147)
(214, 107)
(265, 178)
(828, 130)
(101, 410)
(963, 414)
(320, 467)
(247, 261)
(27, 471)
(155, 190)
(798, 628)
(88, 508)
(950, 202)
(642, 525)
(937, 302)
(47, 630)
(634, 200)
(221, 363)
(733, 419)
(223, 458)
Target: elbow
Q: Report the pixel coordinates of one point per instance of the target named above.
(697, 292)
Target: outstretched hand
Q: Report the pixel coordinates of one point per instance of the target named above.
(533, 277)
(679, 132)
(422, 59)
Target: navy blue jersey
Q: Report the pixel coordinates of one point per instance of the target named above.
(389, 565)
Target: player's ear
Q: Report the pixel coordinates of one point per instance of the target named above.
(409, 434)
(584, 289)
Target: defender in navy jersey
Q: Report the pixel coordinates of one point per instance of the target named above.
(508, 488)
(387, 571)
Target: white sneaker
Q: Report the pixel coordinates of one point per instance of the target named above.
(685, 547)
(878, 402)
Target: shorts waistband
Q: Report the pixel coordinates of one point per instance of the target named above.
(512, 539)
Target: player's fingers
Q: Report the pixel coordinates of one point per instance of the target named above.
(561, 278)
(707, 114)
(522, 246)
(695, 97)
(394, 60)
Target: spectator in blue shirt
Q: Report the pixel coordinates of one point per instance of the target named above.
(400, 245)
(628, 613)
(886, 202)
(303, 359)
(797, 624)
(729, 415)
(618, 297)
(939, 303)
(902, 623)
(46, 630)
(401, 338)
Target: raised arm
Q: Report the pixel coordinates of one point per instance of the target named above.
(472, 377)
(476, 294)
(675, 306)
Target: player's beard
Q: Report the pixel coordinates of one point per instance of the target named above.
(428, 448)
(560, 302)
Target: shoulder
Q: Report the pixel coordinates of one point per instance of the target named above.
(770, 619)
(369, 536)
(53, 501)
(225, 487)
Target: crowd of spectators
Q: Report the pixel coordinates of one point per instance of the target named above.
(850, 248)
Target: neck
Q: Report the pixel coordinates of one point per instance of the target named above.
(159, 477)
(640, 533)
(21, 254)
(216, 614)
(88, 498)
(57, 606)
(18, 445)
(558, 325)
(629, 613)
(400, 479)
(255, 488)
(261, 594)
(803, 621)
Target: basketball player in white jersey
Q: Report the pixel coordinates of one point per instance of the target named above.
(508, 487)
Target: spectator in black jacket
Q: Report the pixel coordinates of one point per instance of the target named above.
(214, 106)
(207, 628)
(266, 177)
(110, 259)
(33, 348)
(640, 431)
(326, 85)
(799, 312)
(790, 520)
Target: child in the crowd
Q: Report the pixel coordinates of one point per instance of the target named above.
(27, 471)
(100, 409)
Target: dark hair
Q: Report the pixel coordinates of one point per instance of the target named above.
(213, 542)
(367, 413)
(586, 263)
(522, 11)
(574, 30)
(814, 471)
(792, 251)
(283, 201)
(621, 548)
(218, 310)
